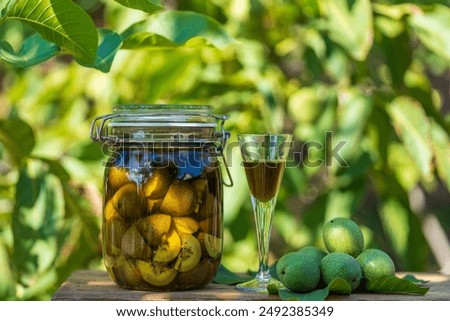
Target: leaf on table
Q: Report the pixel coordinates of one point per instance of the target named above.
(338, 285)
(59, 21)
(225, 276)
(316, 295)
(273, 288)
(148, 6)
(393, 284)
(173, 28)
(412, 278)
(33, 51)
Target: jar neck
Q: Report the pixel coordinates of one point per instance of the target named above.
(160, 123)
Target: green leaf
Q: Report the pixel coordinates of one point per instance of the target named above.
(18, 139)
(393, 284)
(144, 40)
(236, 197)
(433, 28)
(55, 168)
(404, 231)
(441, 148)
(397, 52)
(83, 239)
(343, 202)
(412, 278)
(316, 295)
(403, 166)
(33, 51)
(272, 288)
(413, 127)
(44, 284)
(110, 43)
(7, 281)
(59, 21)
(86, 151)
(177, 27)
(352, 28)
(148, 6)
(353, 114)
(380, 131)
(338, 285)
(395, 12)
(357, 168)
(306, 104)
(225, 276)
(170, 72)
(81, 227)
(38, 214)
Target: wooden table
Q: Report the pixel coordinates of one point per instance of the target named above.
(87, 285)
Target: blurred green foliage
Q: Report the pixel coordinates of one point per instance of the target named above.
(374, 74)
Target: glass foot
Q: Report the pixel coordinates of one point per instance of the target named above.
(259, 286)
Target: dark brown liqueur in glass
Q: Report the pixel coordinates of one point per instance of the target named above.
(264, 178)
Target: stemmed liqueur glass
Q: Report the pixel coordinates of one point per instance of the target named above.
(264, 160)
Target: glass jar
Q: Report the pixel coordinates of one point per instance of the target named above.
(162, 224)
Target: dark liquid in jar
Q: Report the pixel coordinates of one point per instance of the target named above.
(162, 220)
(264, 178)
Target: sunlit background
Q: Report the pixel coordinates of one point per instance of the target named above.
(375, 74)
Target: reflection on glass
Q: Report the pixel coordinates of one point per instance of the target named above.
(264, 160)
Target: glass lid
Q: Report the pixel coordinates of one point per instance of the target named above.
(155, 123)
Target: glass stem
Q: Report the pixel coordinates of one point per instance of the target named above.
(263, 212)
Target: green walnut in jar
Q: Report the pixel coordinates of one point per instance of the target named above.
(162, 225)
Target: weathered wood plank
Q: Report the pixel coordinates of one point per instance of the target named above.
(86, 285)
